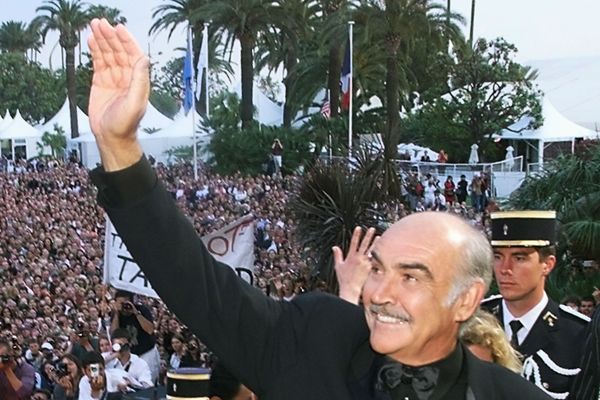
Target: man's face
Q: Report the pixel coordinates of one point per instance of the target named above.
(122, 301)
(520, 273)
(406, 293)
(587, 307)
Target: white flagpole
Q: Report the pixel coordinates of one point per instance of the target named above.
(351, 44)
(193, 110)
(205, 34)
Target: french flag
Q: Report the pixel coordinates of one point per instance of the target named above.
(346, 79)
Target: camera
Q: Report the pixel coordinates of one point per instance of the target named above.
(5, 358)
(62, 370)
(94, 370)
(127, 306)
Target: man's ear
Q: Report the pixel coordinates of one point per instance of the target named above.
(468, 301)
(549, 264)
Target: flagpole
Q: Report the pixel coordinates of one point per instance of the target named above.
(350, 43)
(329, 135)
(205, 34)
(193, 110)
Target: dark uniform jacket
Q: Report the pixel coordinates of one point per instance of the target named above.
(315, 347)
(552, 349)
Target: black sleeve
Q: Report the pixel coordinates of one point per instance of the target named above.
(236, 321)
(586, 385)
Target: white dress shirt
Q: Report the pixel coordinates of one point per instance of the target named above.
(137, 370)
(528, 319)
(114, 377)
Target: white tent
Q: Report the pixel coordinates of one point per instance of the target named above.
(7, 120)
(153, 119)
(556, 128)
(416, 151)
(63, 119)
(267, 111)
(19, 139)
(178, 133)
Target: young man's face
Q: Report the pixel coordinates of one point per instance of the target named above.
(587, 307)
(520, 273)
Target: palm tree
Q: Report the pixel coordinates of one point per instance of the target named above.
(284, 44)
(112, 15)
(395, 26)
(242, 20)
(174, 13)
(68, 18)
(17, 37)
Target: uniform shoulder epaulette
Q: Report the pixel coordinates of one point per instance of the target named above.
(493, 298)
(573, 313)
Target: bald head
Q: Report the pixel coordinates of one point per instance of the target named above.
(464, 248)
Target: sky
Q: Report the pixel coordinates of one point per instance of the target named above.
(541, 29)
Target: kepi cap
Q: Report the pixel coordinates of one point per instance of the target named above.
(523, 228)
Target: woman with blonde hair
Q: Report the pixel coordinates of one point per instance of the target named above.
(486, 339)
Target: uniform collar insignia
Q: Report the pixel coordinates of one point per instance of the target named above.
(550, 318)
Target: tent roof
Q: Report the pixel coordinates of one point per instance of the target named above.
(7, 120)
(267, 111)
(573, 86)
(154, 119)
(556, 127)
(19, 129)
(63, 119)
(182, 127)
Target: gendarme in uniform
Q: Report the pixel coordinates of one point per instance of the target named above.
(548, 335)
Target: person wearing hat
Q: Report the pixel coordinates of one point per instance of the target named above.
(548, 335)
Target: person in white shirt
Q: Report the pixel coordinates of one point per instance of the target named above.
(98, 382)
(138, 373)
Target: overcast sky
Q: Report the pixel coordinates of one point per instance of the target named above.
(541, 29)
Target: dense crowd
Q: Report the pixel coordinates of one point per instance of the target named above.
(54, 306)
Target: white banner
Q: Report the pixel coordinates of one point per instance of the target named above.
(233, 245)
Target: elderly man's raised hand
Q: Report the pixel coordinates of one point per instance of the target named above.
(119, 93)
(353, 270)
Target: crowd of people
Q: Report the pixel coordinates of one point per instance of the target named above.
(55, 308)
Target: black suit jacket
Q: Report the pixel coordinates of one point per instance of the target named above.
(314, 347)
(552, 349)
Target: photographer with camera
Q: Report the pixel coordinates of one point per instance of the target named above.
(85, 341)
(194, 357)
(137, 372)
(137, 320)
(100, 383)
(68, 374)
(17, 377)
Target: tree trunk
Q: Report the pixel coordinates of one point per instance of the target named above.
(392, 88)
(247, 107)
(72, 90)
(288, 108)
(333, 83)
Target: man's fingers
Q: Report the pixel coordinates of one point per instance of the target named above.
(139, 90)
(338, 256)
(129, 44)
(365, 244)
(355, 241)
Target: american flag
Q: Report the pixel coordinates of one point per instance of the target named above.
(326, 110)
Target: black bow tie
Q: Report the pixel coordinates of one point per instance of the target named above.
(422, 380)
